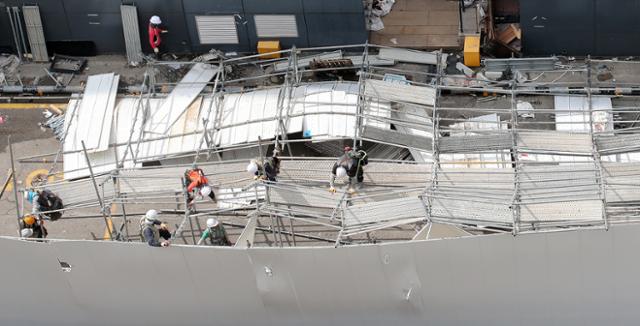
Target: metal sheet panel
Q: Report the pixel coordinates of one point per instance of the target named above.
(413, 56)
(35, 33)
(93, 119)
(217, 29)
(400, 93)
(131, 33)
(181, 97)
(383, 211)
(276, 26)
(572, 114)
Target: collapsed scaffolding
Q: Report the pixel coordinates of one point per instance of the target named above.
(472, 169)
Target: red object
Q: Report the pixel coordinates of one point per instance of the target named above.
(347, 148)
(154, 36)
(197, 178)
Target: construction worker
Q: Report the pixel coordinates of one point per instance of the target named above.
(216, 234)
(32, 227)
(197, 184)
(351, 164)
(154, 35)
(45, 204)
(150, 232)
(267, 171)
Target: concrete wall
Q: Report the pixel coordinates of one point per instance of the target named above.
(587, 277)
(331, 22)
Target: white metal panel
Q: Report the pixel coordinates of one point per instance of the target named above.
(216, 29)
(247, 116)
(405, 55)
(276, 26)
(95, 113)
(395, 92)
(131, 30)
(180, 98)
(572, 113)
(33, 23)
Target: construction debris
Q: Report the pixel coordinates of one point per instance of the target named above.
(67, 64)
(376, 9)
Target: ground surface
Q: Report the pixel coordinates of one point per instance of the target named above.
(422, 24)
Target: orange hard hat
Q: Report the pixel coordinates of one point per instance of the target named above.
(29, 220)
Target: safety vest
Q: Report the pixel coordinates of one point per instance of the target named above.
(156, 233)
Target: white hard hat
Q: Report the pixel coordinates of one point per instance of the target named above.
(212, 222)
(341, 172)
(205, 191)
(151, 215)
(155, 20)
(252, 167)
(25, 233)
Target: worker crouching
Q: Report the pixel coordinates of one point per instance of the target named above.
(350, 164)
(32, 227)
(197, 184)
(153, 230)
(45, 204)
(215, 233)
(267, 170)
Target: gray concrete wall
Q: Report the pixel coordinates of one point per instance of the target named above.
(587, 277)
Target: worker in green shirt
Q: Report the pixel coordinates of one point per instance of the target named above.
(216, 234)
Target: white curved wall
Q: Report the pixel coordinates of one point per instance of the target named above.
(588, 277)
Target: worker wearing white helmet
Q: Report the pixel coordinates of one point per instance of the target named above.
(154, 34)
(268, 170)
(215, 233)
(350, 164)
(150, 232)
(197, 185)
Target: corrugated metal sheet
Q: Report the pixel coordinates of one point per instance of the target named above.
(217, 29)
(131, 31)
(36, 33)
(329, 109)
(407, 208)
(95, 113)
(414, 56)
(572, 113)
(276, 25)
(550, 141)
(323, 110)
(400, 93)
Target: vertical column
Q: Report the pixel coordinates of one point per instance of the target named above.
(602, 190)
(435, 138)
(515, 200)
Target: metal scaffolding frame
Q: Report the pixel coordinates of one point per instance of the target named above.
(474, 175)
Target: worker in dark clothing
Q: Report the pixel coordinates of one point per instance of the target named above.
(268, 170)
(215, 233)
(150, 233)
(154, 35)
(32, 227)
(45, 204)
(197, 184)
(350, 164)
